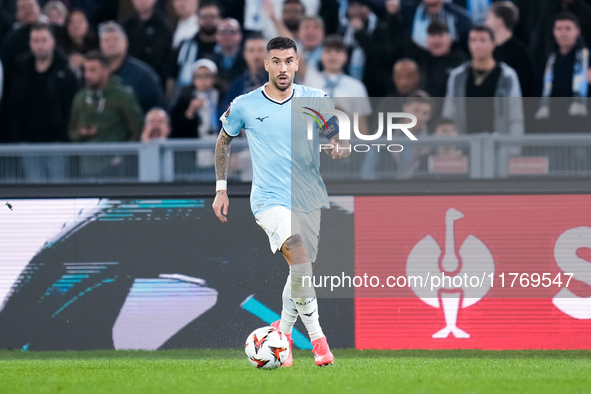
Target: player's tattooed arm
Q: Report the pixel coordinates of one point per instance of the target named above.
(222, 162)
(222, 155)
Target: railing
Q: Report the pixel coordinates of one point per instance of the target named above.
(469, 157)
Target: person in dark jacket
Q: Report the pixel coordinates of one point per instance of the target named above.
(228, 53)
(542, 38)
(564, 105)
(42, 90)
(17, 41)
(366, 38)
(39, 103)
(150, 36)
(133, 72)
(502, 19)
(437, 61)
(105, 110)
(78, 40)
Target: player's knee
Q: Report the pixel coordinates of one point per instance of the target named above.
(300, 271)
(293, 242)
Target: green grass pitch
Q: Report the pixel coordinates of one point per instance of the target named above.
(228, 371)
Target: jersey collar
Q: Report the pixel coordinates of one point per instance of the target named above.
(273, 100)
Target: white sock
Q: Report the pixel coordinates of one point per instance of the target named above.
(305, 300)
(289, 313)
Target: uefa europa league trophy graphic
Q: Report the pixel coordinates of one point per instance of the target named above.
(474, 260)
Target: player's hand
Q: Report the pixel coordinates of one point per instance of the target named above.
(339, 150)
(220, 205)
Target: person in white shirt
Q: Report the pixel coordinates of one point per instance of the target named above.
(348, 93)
(256, 15)
(187, 26)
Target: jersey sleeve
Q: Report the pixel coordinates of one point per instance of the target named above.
(326, 103)
(232, 120)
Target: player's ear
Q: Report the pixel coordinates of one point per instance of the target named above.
(266, 63)
(297, 63)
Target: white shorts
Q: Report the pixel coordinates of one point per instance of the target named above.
(280, 223)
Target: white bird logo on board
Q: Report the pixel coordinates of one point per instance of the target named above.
(475, 259)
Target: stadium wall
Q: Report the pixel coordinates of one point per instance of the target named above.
(150, 267)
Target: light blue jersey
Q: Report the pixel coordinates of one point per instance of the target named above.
(285, 163)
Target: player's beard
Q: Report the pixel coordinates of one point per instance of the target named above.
(282, 88)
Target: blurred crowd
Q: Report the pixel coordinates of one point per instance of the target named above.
(130, 70)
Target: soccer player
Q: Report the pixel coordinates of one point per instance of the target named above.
(289, 216)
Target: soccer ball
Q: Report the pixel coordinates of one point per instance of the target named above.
(266, 348)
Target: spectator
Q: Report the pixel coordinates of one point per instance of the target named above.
(201, 45)
(502, 19)
(347, 93)
(366, 39)
(481, 78)
(104, 111)
(543, 43)
(56, 12)
(310, 38)
(254, 77)
(228, 54)
(187, 26)
(78, 41)
(156, 125)
(447, 128)
(133, 72)
(195, 113)
(256, 15)
(149, 35)
(566, 75)
(413, 159)
(293, 12)
(529, 16)
(17, 41)
(39, 103)
(437, 61)
(406, 77)
(42, 88)
(291, 16)
(410, 159)
(25, 11)
(416, 18)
